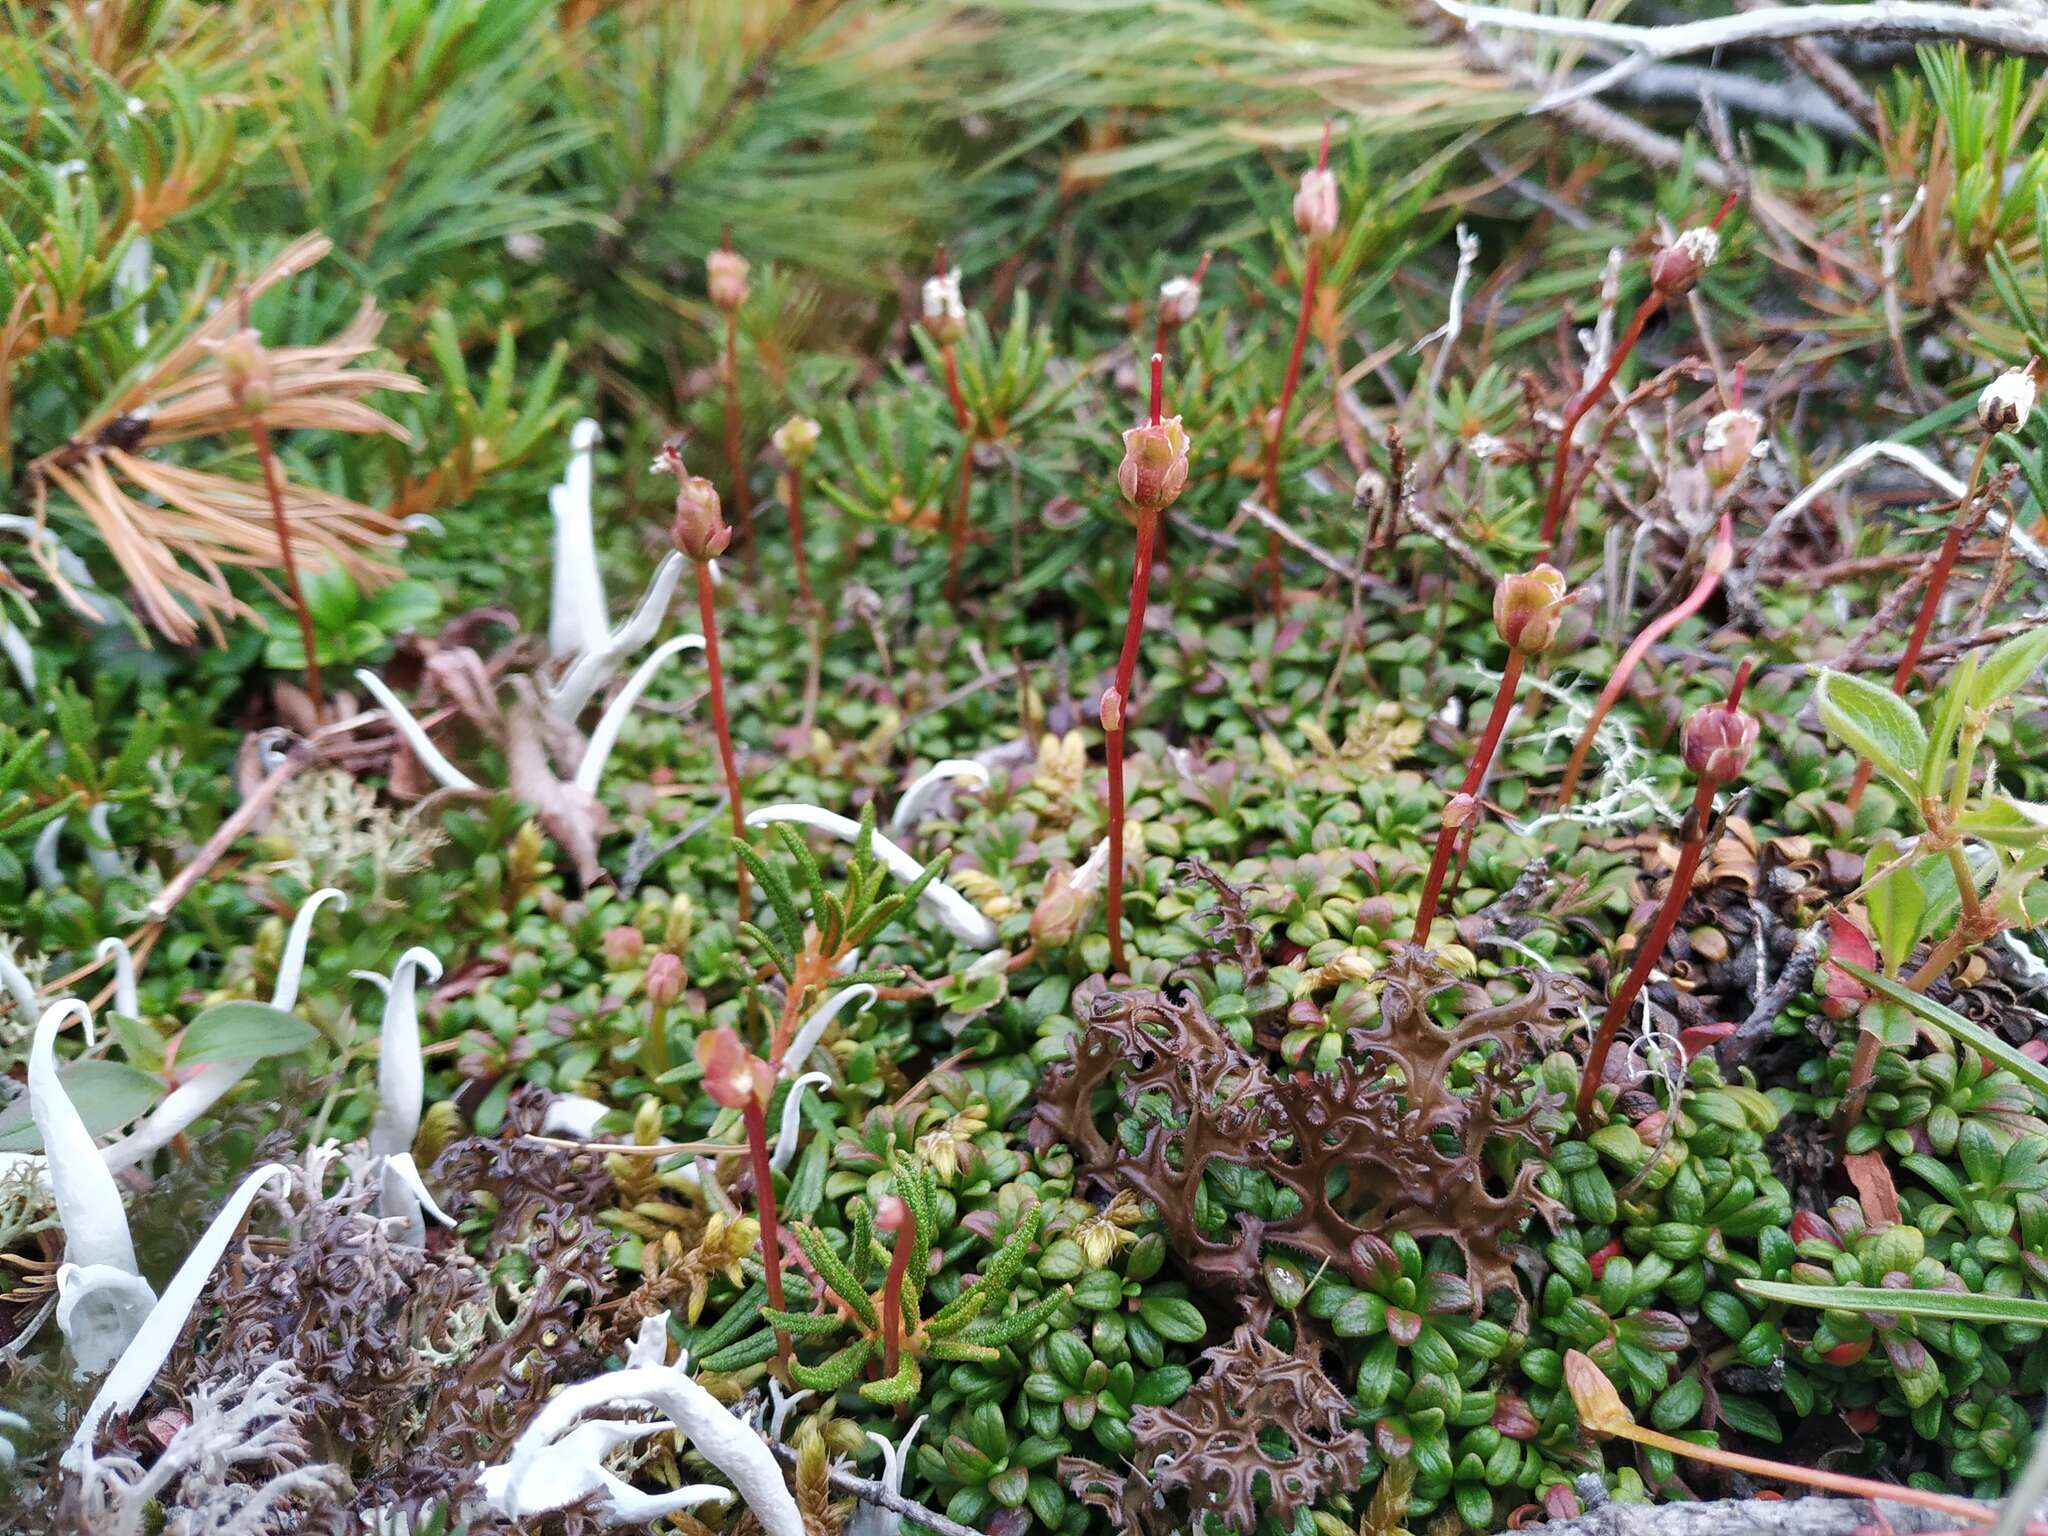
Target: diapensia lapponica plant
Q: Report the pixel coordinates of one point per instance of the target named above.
(1150, 478)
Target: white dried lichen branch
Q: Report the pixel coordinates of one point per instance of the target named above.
(558, 1460)
(401, 1088)
(929, 785)
(2012, 31)
(579, 624)
(145, 1354)
(102, 1297)
(1851, 463)
(194, 1481)
(955, 913)
(806, 1038)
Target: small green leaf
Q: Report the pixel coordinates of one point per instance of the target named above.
(107, 1095)
(1897, 904)
(331, 597)
(2006, 670)
(242, 1032)
(1173, 1318)
(1876, 724)
(1948, 720)
(2005, 821)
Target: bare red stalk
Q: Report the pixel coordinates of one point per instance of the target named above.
(707, 617)
(1554, 504)
(764, 1200)
(796, 533)
(1162, 330)
(1651, 949)
(1720, 555)
(1475, 772)
(892, 1300)
(273, 484)
(1944, 563)
(743, 518)
(1126, 667)
(1269, 492)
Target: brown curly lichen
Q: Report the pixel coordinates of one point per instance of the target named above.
(1385, 1143)
(1261, 1433)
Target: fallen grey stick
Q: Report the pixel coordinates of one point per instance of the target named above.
(2009, 31)
(1302, 545)
(1783, 101)
(1751, 1517)
(1791, 981)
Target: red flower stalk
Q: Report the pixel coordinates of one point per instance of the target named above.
(945, 317)
(1315, 215)
(894, 1216)
(1154, 468)
(1526, 612)
(727, 273)
(1179, 299)
(738, 1079)
(1720, 556)
(1674, 272)
(794, 440)
(701, 533)
(2004, 406)
(1716, 743)
(245, 366)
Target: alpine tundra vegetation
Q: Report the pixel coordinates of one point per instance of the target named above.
(849, 767)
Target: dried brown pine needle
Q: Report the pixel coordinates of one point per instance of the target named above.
(176, 531)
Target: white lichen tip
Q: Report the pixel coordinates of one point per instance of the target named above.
(126, 999)
(102, 1296)
(285, 995)
(576, 621)
(806, 1038)
(792, 1121)
(401, 1087)
(590, 771)
(955, 913)
(445, 773)
(927, 786)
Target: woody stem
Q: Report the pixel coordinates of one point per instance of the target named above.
(707, 617)
(764, 1200)
(1554, 504)
(1126, 670)
(273, 485)
(1475, 775)
(1652, 948)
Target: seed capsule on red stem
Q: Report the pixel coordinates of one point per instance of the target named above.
(725, 274)
(1716, 741)
(1528, 607)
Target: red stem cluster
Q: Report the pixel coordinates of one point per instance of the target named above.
(707, 617)
(1475, 774)
(764, 1200)
(1651, 950)
(1269, 490)
(1116, 705)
